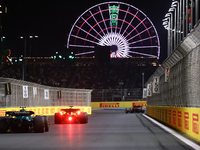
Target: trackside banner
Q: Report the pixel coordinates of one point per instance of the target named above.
(43, 110)
(118, 104)
(184, 119)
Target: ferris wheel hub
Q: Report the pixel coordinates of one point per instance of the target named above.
(118, 43)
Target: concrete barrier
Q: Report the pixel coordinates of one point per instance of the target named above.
(182, 118)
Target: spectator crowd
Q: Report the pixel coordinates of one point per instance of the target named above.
(87, 76)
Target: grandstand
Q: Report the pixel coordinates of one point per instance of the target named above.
(84, 73)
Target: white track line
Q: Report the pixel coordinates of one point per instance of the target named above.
(186, 141)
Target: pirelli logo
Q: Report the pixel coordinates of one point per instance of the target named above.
(109, 105)
(2, 113)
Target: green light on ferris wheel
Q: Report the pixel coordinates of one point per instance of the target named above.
(113, 15)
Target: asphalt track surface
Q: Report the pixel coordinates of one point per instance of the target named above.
(106, 130)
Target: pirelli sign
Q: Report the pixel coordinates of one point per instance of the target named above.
(109, 105)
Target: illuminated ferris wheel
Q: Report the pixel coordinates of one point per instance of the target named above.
(123, 27)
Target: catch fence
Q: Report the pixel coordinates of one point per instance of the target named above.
(182, 88)
(16, 93)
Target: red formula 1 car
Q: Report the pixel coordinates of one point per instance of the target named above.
(135, 109)
(70, 116)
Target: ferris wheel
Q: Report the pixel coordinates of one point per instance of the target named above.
(123, 27)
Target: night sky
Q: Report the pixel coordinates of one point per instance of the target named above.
(52, 21)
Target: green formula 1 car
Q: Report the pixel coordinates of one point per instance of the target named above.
(23, 121)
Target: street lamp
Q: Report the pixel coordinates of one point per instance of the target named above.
(197, 6)
(121, 83)
(176, 21)
(170, 31)
(167, 25)
(24, 57)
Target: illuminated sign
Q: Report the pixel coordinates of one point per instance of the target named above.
(186, 116)
(179, 119)
(44, 110)
(195, 123)
(156, 88)
(139, 103)
(170, 121)
(114, 15)
(25, 91)
(109, 105)
(2, 113)
(167, 71)
(46, 93)
(174, 117)
(166, 115)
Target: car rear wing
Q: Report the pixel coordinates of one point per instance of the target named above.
(70, 110)
(18, 113)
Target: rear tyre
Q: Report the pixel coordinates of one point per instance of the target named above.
(126, 110)
(3, 125)
(83, 118)
(46, 119)
(57, 118)
(39, 124)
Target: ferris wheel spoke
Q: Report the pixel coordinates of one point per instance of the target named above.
(91, 27)
(143, 54)
(110, 18)
(84, 39)
(137, 47)
(149, 38)
(139, 33)
(83, 46)
(103, 19)
(124, 19)
(85, 53)
(86, 32)
(135, 28)
(96, 22)
(130, 23)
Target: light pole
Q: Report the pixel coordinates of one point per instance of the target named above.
(121, 83)
(197, 11)
(170, 32)
(180, 23)
(142, 84)
(167, 25)
(24, 57)
(176, 22)
(184, 19)
(192, 14)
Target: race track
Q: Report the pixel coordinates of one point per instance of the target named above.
(106, 130)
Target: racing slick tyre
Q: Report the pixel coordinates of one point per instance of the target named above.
(39, 124)
(3, 125)
(130, 110)
(126, 110)
(57, 118)
(83, 118)
(46, 119)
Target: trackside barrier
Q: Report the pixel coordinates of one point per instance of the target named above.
(184, 119)
(16, 93)
(48, 111)
(174, 95)
(176, 82)
(116, 105)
